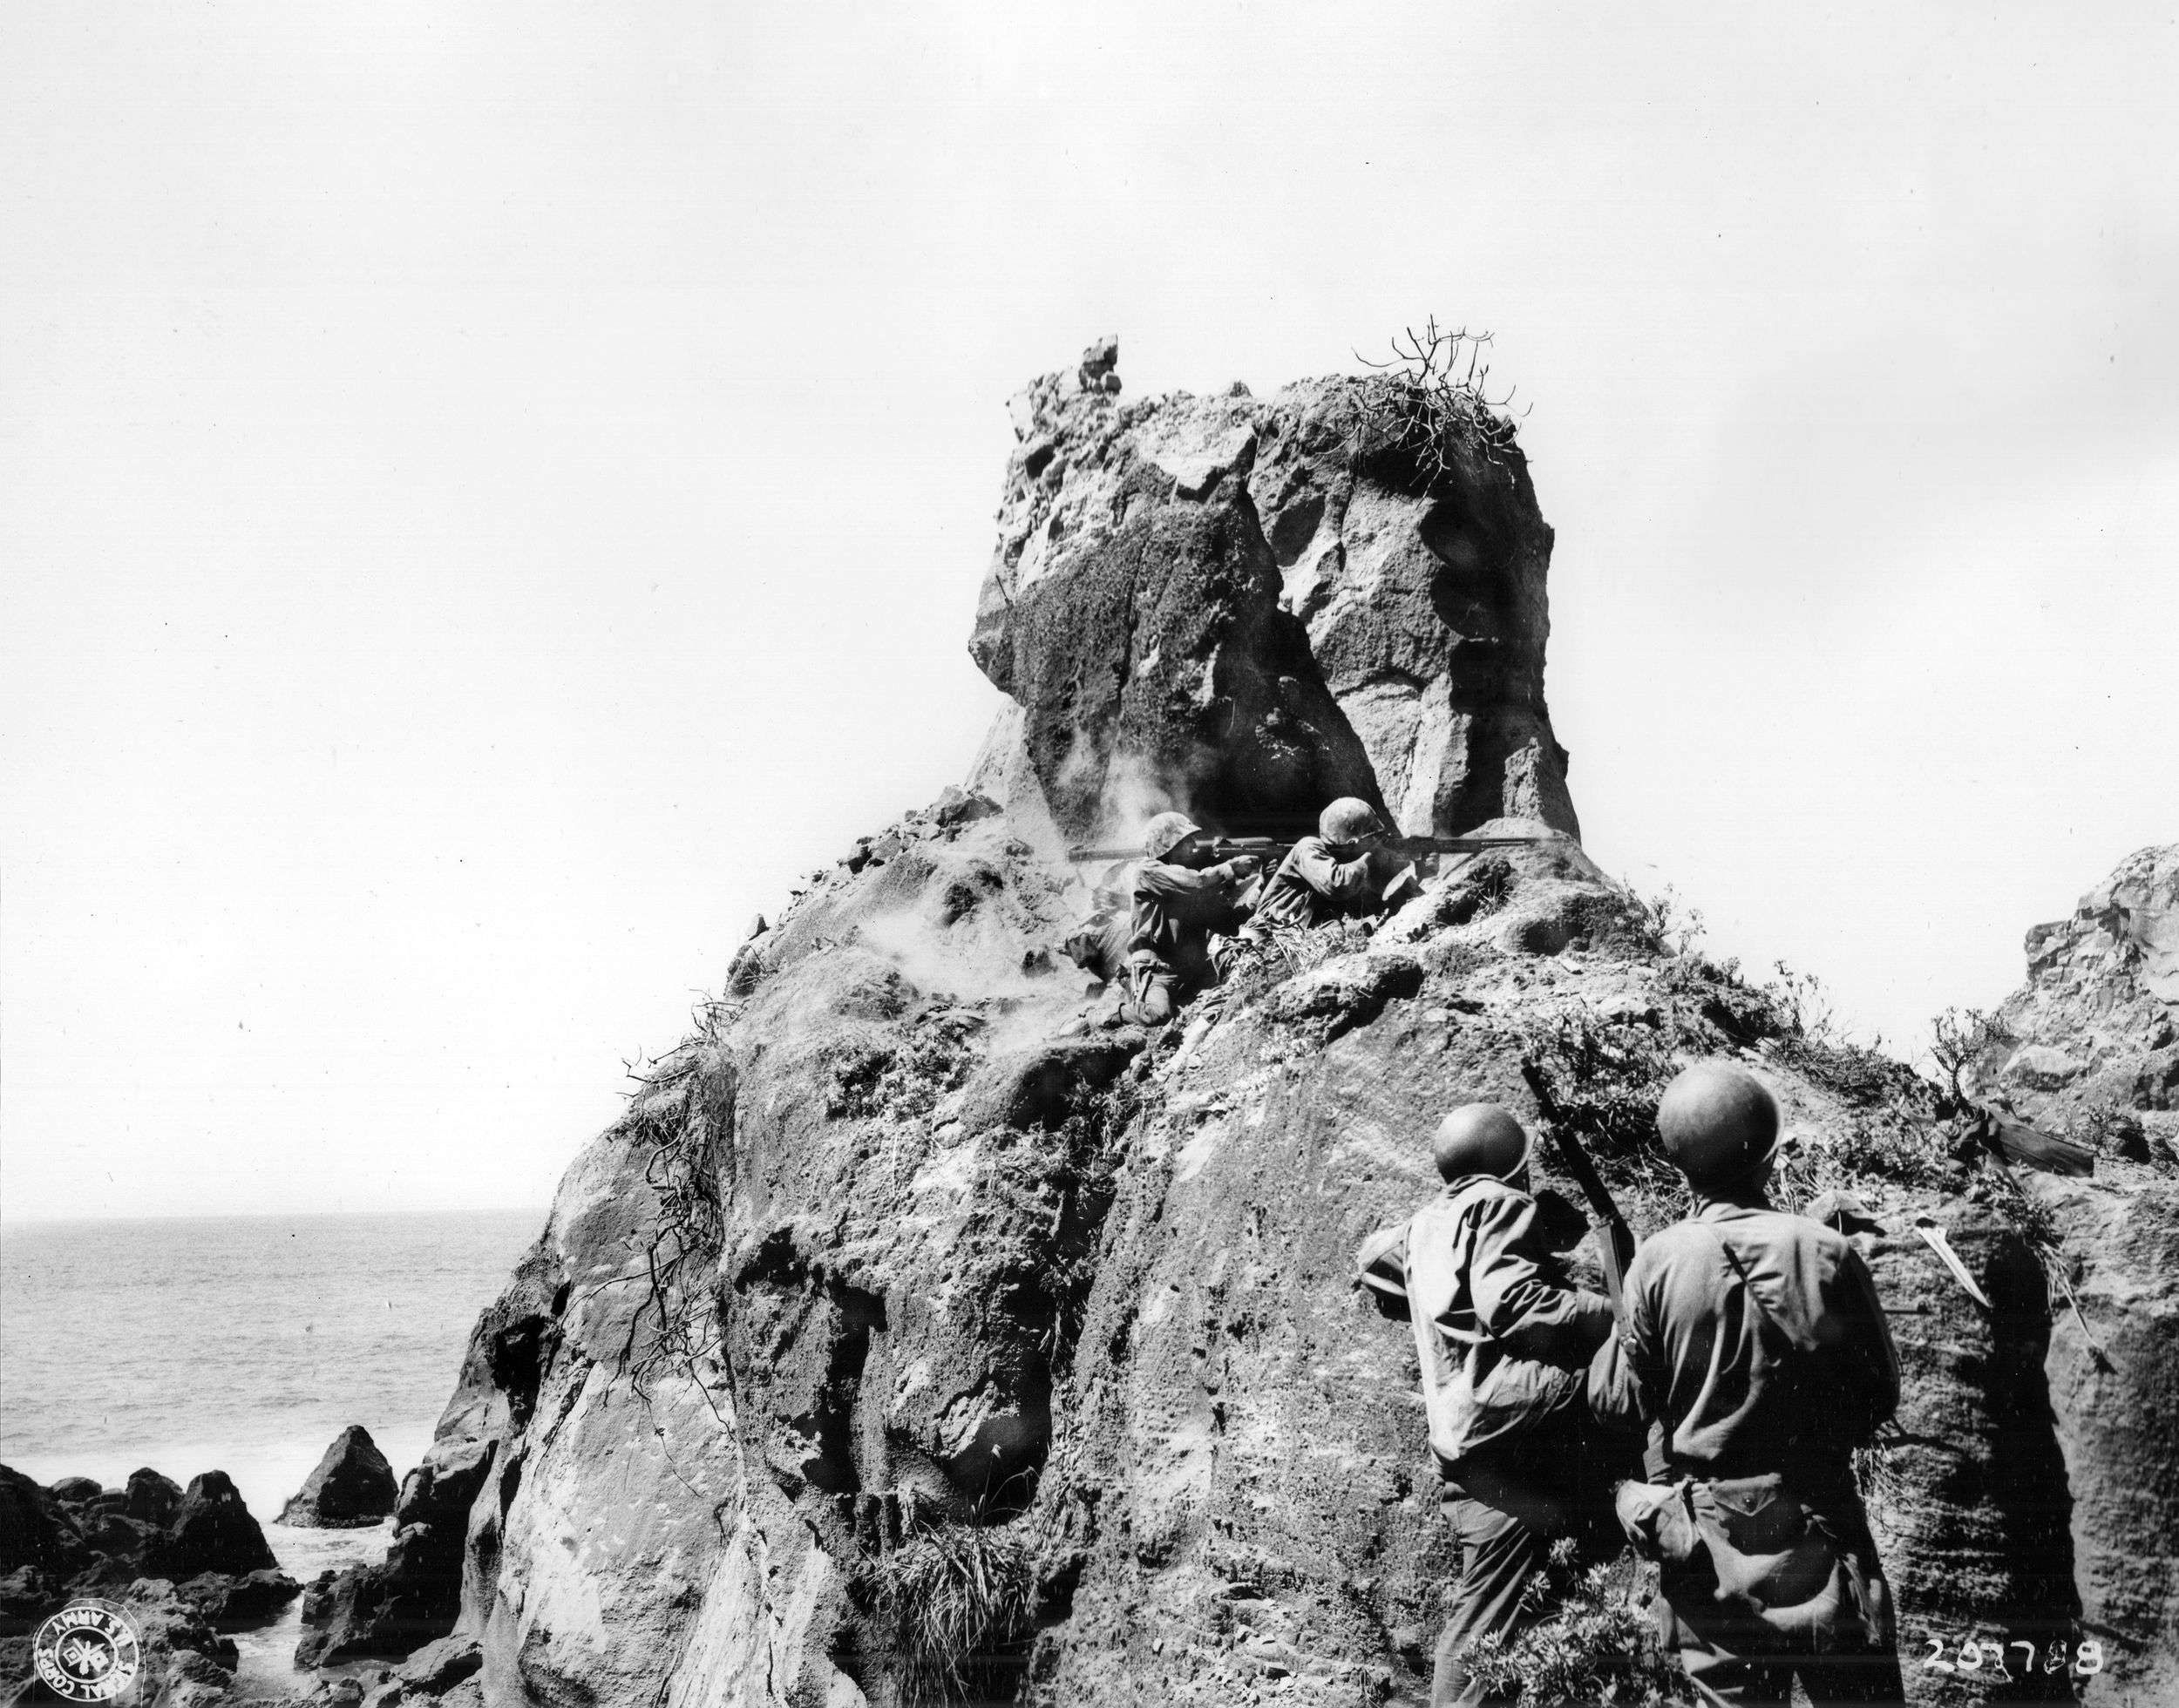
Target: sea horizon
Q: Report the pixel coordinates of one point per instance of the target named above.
(241, 1343)
(9, 1222)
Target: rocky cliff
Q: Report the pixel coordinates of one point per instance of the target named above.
(911, 1339)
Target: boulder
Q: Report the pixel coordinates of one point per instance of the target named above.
(438, 1667)
(155, 1499)
(36, 1530)
(75, 1491)
(213, 1532)
(352, 1486)
(233, 1603)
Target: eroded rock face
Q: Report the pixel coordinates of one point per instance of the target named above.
(1244, 607)
(2095, 1028)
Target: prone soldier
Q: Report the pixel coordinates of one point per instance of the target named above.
(1342, 872)
(1185, 911)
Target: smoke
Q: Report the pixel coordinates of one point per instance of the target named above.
(1136, 789)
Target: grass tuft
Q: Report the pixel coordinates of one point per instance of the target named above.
(955, 1600)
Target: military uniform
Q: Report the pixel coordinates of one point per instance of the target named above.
(1755, 1352)
(1174, 950)
(1313, 885)
(1503, 1337)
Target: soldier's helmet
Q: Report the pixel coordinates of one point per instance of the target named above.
(1718, 1123)
(1348, 821)
(1166, 832)
(1482, 1138)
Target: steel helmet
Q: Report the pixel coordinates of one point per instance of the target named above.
(1719, 1122)
(1348, 821)
(1166, 832)
(1482, 1138)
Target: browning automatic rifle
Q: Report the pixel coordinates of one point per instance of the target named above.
(1617, 1244)
(1267, 848)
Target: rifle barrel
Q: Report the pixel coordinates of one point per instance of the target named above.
(1231, 845)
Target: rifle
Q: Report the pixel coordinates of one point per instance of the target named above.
(1617, 1245)
(1265, 848)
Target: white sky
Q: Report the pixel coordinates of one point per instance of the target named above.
(488, 493)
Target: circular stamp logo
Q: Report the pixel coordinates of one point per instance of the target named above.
(88, 1651)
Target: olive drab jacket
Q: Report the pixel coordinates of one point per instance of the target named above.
(1754, 1344)
(1502, 1335)
(1313, 884)
(1175, 910)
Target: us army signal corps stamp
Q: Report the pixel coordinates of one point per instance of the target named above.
(88, 1651)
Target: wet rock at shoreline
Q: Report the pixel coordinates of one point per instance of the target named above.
(352, 1486)
(213, 1532)
(36, 1530)
(155, 1499)
(234, 1603)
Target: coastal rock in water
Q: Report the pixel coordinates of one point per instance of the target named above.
(153, 1499)
(213, 1531)
(414, 1596)
(233, 1603)
(77, 1491)
(352, 1486)
(1244, 607)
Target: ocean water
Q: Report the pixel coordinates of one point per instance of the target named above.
(243, 1345)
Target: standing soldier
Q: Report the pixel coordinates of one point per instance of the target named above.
(1341, 872)
(1755, 1352)
(1185, 911)
(1502, 1337)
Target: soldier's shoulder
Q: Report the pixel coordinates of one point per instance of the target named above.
(1788, 1227)
(1675, 1241)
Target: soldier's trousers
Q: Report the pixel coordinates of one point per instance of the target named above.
(1734, 1661)
(1155, 992)
(1507, 1507)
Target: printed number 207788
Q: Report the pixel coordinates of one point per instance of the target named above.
(2085, 1661)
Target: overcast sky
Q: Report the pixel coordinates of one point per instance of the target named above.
(489, 493)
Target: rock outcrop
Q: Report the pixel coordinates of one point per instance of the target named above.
(897, 1273)
(131, 1545)
(351, 1486)
(1244, 607)
(212, 1531)
(2091, 1041)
